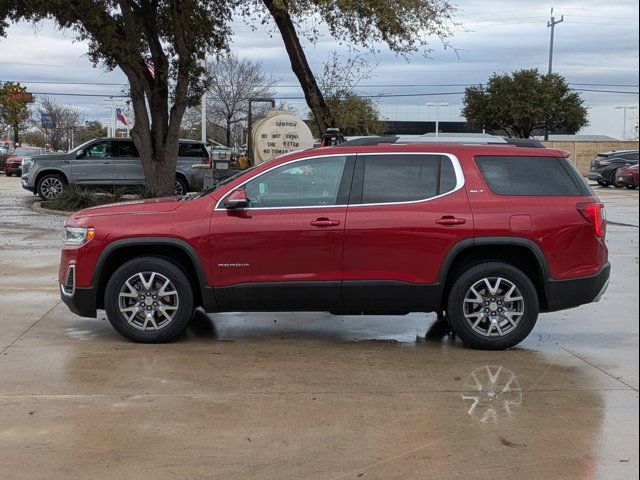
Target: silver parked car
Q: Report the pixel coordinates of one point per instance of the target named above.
(105, 163)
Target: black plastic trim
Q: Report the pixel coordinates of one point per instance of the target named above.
(563, 294)
(389, 295)
(280, 296)
(83, 302)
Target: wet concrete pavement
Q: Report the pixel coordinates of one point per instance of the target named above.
(290, 396)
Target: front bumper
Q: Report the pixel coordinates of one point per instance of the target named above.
(563, 294)
(13, 168)
(82, 302)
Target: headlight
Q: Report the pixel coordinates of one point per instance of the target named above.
(26, 164)
(77, 235)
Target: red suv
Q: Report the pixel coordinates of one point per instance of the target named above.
(481, 232)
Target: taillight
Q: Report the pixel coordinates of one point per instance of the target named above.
(207, 160)
(604, 163)
(594, 213)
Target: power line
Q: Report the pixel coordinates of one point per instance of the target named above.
(368, 85)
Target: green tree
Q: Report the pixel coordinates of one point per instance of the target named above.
(523, 103)
(405, 26)
(90, 130)
(14, 111)
(159, 45)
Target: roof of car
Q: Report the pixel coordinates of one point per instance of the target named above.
(452, 148)
(618, 152)
(182, 140)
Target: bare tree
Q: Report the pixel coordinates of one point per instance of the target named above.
(62, 120)
(234, 81)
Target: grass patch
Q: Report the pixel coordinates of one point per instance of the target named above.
(75, 198)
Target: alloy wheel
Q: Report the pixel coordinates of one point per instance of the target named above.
(148, 301)
(51, 187)
(493, 307)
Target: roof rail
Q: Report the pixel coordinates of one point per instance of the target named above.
(469, 139)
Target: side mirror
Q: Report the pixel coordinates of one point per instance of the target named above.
(80, 154)
(236, 200)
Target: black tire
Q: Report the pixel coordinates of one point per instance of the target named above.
(182, 187)
(456, 306)
(179, 282)
(49, 184)
(603, 184)
(615, 182)
(7, 174)
(631, 187)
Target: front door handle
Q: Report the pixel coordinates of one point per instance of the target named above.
(450, 220)
(325, 222)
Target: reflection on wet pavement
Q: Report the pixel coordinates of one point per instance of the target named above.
(491, 392)
(309, 395)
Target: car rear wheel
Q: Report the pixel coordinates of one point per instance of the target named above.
(50, 186)
(631, 187)
(617, 183)
(492, 306)
(182, 188)
(149, 300)
(603, 184)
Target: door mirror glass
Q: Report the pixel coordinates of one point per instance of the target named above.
(80, 154)
(236, 200)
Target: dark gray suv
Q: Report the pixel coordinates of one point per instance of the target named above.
(106, 163)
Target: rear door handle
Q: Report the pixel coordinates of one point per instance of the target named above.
(450, 220)
(325, 222)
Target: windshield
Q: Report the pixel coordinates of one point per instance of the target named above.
(225, 182)
(26, 151)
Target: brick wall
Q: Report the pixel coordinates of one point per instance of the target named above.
(583, 152)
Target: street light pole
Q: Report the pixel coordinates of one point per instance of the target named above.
(624, 109)
(437, 105)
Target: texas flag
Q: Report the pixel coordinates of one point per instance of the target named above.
(121, 116)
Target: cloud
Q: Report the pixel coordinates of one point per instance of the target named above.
(597, 43)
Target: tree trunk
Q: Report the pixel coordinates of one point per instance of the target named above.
(16, 134)
(157, 146)
(228, 131)
(300, 66)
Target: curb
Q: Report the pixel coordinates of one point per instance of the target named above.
(39, 209)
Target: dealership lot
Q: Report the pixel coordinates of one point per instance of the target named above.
(310, 395)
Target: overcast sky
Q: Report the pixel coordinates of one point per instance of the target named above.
(596, 48)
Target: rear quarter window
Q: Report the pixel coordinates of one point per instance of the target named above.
(531, 176)
(192, 150)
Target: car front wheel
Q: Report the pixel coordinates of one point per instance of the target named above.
(492, 306)
(149, 300)
(50, 186)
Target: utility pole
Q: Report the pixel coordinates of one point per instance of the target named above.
(551, 24)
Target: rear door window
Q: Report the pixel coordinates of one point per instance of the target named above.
(537, 176)
(192, 150)
(403, 178)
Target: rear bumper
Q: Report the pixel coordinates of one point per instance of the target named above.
(563, 294)
(596, 176)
